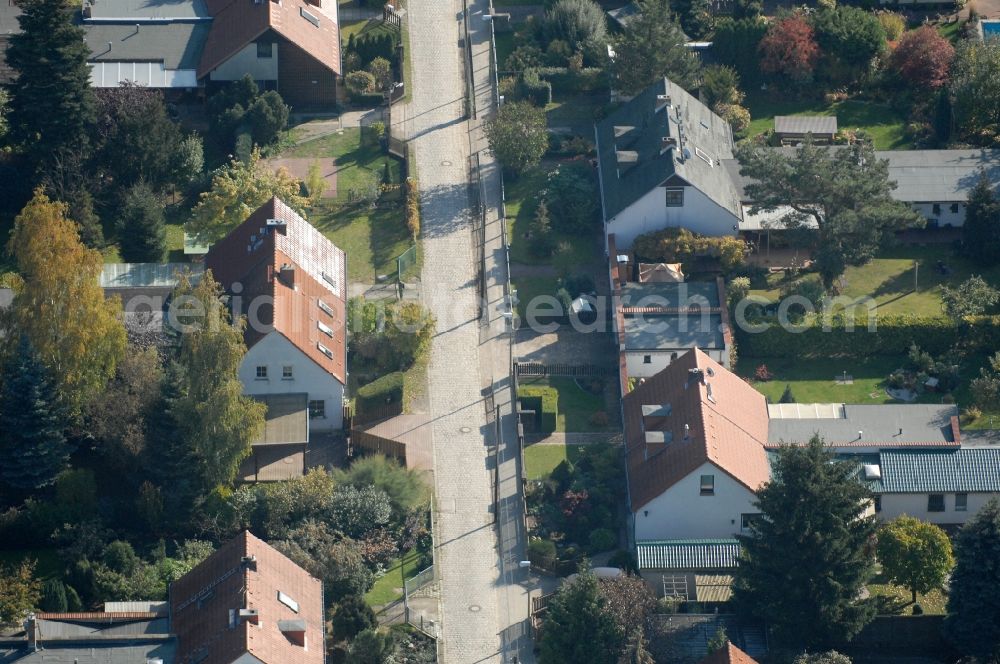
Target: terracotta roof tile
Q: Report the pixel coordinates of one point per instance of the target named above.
(727, 426)
(224, 583)
(237, 23)
(307, 304)
(730, 654)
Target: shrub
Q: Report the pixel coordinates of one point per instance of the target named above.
(542, 553)
(535, 90)
(575, 22)
(542, 243)
(971, 414)
(762, 373)
(572, 198)
(359, 82)
(679, 245)
(412, 207)
(623, 559)
(602, 539)
(737, 116)
(894, 24)
(523, 57)
(381, 71)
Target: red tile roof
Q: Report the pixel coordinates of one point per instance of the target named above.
(202, 599)
(729, 654)
(252, 256)
(238, 23)
(727, 426)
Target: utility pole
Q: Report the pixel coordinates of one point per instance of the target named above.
(916, 272)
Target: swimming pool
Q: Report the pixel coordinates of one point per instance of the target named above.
(991, 29)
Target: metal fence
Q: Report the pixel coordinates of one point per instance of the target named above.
(405, 261)
(423, 584)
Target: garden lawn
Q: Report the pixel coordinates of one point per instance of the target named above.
(884, 124)
(565, 405)
(389, 587)
(541, 460)
(812, 380)
(520, 202)
(529, 288)
(889, 280)
(951, 31)
(372, 238)
(576, 112)
(895, 600)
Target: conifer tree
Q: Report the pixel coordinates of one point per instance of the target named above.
(973, 621)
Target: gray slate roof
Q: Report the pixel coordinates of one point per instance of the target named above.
(805, 124)
(921, 176)
(965, 470)
(703, 554)
(879, 424)
(640, 129)
(130, 10)
(177, 45)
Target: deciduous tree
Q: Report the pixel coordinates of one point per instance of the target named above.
(981, 231)
(923, 58)
(845, 193)
(52, 105)
(33, 446)
(237, 190)
(20, 591)
(578, 627)
(972, 297)
(652, 47)
(975, 91)
(372, 646)
(789, 49)
(518, 136)
(810, 552)
(217, 422)
(973, 620)
(914, 554)
(60, 307)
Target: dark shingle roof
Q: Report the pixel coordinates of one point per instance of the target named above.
(178, 45)
(637, 129)
(966, 470)
(698, 554)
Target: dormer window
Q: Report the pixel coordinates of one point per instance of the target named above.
(288, 601)
(325, 308)
(325, 329)
(326, 351)
(312, 18)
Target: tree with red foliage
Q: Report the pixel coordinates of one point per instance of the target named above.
(923, 58)
(789, 49)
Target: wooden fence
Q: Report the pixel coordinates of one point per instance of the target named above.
(537, 369)
(378, 445)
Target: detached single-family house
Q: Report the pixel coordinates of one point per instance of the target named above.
(289, 281)
(292, 46)
(247, 603)
(661, 165)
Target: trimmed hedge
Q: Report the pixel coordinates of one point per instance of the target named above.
(379, 393)
(893, 335)
(535, 90)
(565, 80)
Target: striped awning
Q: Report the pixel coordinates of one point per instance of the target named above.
(707, 554)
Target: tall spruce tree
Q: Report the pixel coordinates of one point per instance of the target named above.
(167, 456)
(651, 47)
(810, 552)
(578, 628)
(52, 105)
(141, 230)
(981, 231)
(973, 621)
(33, 446)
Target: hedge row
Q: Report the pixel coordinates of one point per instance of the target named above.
(380, 393)
(566, 80)
(892, 335)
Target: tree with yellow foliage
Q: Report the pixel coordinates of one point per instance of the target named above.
(59, 305)
(238, 189)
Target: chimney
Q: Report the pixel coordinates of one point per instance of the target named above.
(287, 275)
(31, 627)
(667, 143)
(294, 631)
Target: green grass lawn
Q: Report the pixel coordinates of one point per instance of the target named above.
(389, 587)
(885, 125)
(354, 28)
(372, 238)
(565, 405)
(576, 112)
(896, 600)
(951, 31)
(812, 380)
(529, 288)
(541, 460)
(48, 563)
(889, 279)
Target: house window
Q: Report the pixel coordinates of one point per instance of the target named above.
(265, 49)
(747, 520)
(708, 485)
(961, 502)
(936, 209)
(647, 359)
(954, 208)
(935, 502)
(323, 349)
(262, 373)
(325, 308)
(288, 601)
(317, 409)
(325, 329)
(878, 503)
(675, 197)
(312, 18)
(286, 372)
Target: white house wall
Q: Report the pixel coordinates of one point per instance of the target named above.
(945, 217)
(246, 62)
(699, 214)
(915, 504)
(635, 361)
(275, 352)
(681, 512)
